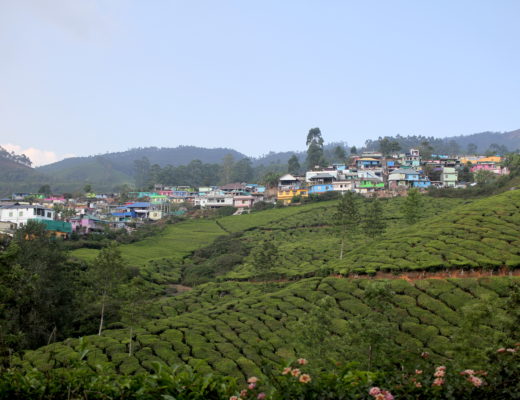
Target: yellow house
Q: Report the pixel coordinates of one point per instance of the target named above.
(492, 159)
(287, 195)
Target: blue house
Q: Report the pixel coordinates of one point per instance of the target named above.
(321, 188)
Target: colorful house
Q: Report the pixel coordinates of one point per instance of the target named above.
(286, 196)
(321, 188)
(368, 162)
(57, 228)
(86, 224)
(407, 178)
(449, 177)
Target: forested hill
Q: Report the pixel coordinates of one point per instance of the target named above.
(15, 169)
(477, 143)
(124, 161)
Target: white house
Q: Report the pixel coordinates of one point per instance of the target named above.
(20, 214)
(343, 186)
(215, 200)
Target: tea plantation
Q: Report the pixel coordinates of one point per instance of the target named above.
(236, 328)
(240, 319)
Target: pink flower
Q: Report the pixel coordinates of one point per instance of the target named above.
(468, 372)
(418, 371)
(295, 372)
(286, 370)
(302, 361)
(253, 379)
(243, 393)
(305, 378)
(233, 398)
(425, 354)
(261, 396)
(374, 391)
(380, 396)
(511, 350)
(252, 386)
(439, 374)
(387, 394)
(418, 385)
(438, 382)
(477, 382)
(501, 350)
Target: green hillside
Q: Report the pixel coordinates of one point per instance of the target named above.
(239, 321)
(233, 328)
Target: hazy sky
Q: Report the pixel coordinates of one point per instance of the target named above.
(86, 77)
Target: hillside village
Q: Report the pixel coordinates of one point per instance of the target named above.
(369, 174)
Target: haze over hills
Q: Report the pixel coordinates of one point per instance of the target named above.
(108, 171)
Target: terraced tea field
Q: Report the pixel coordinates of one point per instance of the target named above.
(484, 234)
(235, 328)
(240, 324)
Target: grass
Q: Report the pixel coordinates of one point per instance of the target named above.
(175, 242)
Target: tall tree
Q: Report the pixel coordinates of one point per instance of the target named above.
(135, 308)
(271, 179)
(142, 173)
(227, 168)
(374, 224)
(293, 165)
(45, 190)
(242, 171)
(388, 146)
(353, 150)
(412, 206)
(314, 148)
(372, 334)
(347, 218)
(107, 271)
(264, 256)
(316, 335)
(339, 154)
(426, 150)
(472, 148)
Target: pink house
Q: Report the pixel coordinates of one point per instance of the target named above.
(243, 201)
(86, 224)
(55, 199)
(490, 166)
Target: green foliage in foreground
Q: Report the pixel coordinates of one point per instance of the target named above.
(294, 380)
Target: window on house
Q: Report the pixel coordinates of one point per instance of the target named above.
(20, 214)
(48, 215)
(10, 213)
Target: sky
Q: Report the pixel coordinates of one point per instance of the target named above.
(84, 77)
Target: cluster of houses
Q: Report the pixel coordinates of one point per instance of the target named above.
(371, 173)
(98, 212)
(368, 174)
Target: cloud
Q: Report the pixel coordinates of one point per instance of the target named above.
(81, 18)
(38, 157)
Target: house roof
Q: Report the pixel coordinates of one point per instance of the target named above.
(142, 204)
(288, 177)
(321, 175)
(407, 171)
(16, 206)
(233, 186)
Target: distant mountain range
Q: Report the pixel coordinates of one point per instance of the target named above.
(108, 171)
